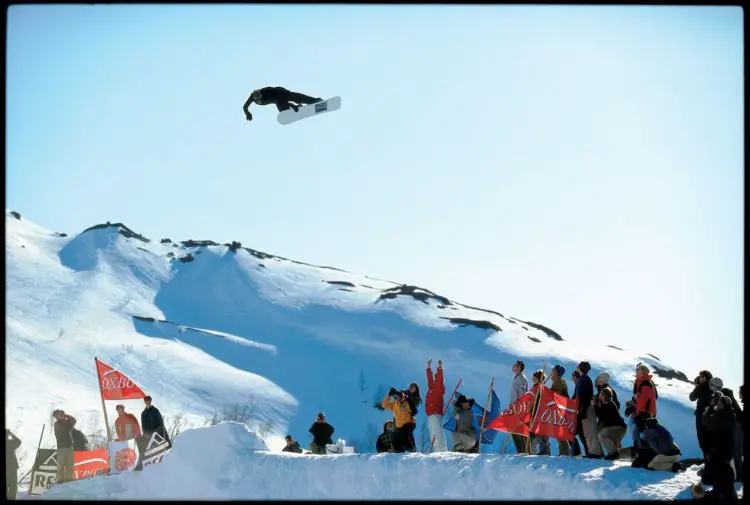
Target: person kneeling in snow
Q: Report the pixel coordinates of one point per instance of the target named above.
(291, 445)
(385, 440)
(612, 426)
(465, 436)
(660, 450)
(321, 432)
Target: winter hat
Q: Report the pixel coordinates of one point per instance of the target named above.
(461, 400)
(584, 367)
(560, 370)
(716, 383)
(603, 377)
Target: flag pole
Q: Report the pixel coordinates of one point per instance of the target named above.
(31, 481)
(445, 411)
(484, 416)
(104, 408)
(534, 410)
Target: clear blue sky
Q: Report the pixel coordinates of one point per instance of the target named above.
(579, 167)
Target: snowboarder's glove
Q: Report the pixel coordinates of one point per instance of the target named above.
(249, 116)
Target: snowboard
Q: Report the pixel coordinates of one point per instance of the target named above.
(288, 116)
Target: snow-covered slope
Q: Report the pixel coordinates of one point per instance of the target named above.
(227, 462)
(203, 326)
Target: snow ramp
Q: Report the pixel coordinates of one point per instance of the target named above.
(228, 461)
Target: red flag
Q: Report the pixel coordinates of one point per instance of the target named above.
(115, 385)
(556, 417)
(90, 463)
(516, 418)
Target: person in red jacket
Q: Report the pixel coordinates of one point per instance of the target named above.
(643, 404)
(434, 406)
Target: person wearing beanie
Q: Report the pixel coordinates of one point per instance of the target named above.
(716, 384)
(612, 426)
(586, 402)
(518, 387)
(321, 432)
(719, 471)
(701, 394)
(560, 387)
(601, 382)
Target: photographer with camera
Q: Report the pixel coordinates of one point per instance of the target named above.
(402, 408)
(718, 417)
(702, 395)
(465, 435)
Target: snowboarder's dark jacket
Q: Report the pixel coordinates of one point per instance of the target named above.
(720, 424)
(735, 406)
(151, 421)
(321, 433)
(294, 448)
(63, 432)
(701, 393)
(608, 415)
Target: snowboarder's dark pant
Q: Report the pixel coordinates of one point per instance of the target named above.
(520, 442)
(282, 97)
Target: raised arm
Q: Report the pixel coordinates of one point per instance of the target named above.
(246, 108)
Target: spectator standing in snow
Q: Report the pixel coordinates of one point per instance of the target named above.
(402, 414)
(321, 432)
(643, 405)
(291, 445)
(611, 426)
(465, 435)
(575, 445)
(414, 399)
(63, 428)
(718, 417)
(126, 425)
(702, 395)
(560, 387)
(542, 443)
(434, 406)
(12, 443)
(585, 392)
(716, 384)
(152, 421)
(518, 387)
(385, 439)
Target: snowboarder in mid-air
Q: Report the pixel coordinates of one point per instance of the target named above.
(282, 97)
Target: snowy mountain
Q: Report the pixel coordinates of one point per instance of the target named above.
(203, 326)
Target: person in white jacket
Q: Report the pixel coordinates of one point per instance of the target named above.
(518, 387)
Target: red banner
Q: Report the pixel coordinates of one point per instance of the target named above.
(90, 463)
(516, 418)
(557, 416)
(115, 385)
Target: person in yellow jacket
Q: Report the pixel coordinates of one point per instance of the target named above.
(403, 419)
